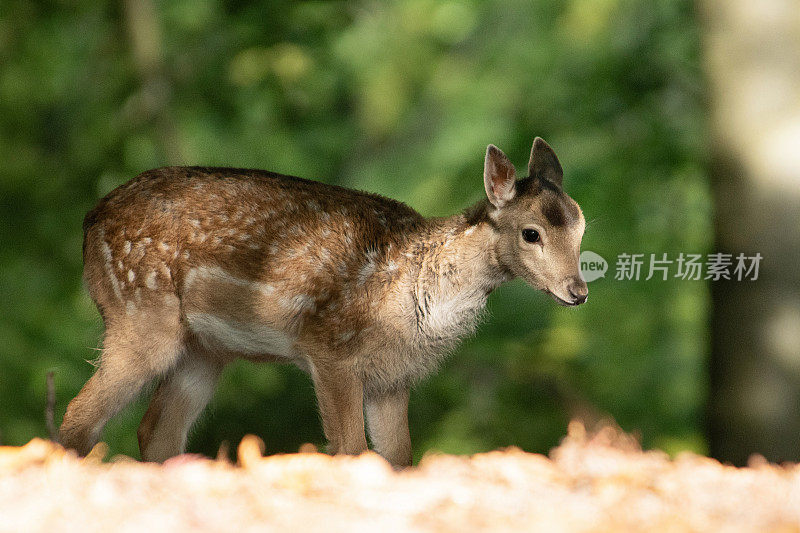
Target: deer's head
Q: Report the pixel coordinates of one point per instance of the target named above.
(538, 227)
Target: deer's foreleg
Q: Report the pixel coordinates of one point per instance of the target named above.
(387, 421)
(340, 395)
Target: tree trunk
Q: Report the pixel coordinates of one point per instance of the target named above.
(752, 58)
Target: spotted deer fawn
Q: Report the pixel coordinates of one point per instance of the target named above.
(193, 267)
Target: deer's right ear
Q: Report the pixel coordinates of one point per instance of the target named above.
(499, 177)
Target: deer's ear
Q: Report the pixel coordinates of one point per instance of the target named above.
(544, 164)
(499, 177)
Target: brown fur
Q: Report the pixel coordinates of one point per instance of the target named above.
(193, 267)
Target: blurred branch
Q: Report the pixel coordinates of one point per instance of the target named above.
(145, 35)
(50, 407)
(153, 100)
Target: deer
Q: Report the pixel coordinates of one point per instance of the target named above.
(192, 268)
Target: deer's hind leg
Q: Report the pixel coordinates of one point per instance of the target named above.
(137, 348)
(177, 402)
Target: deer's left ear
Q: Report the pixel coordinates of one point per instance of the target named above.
(499, 177)
(544, 164)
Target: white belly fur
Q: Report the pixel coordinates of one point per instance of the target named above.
(213, 304)
(244, 338)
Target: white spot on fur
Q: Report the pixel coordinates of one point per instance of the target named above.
(130, 308)
(131, 276)
(470, 230)
(109, 270)
(120, 266)
(240, 337)
(366, 271)
(164, 247)
(150, 281)
(299, 303)
(126, 248)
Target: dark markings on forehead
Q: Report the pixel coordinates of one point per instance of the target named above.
(558, 210)
(553, 211)
(556, 206)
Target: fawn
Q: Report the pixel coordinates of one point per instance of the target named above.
(193, 267)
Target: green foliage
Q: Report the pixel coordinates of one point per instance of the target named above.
(399, 98)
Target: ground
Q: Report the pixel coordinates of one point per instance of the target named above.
(597, 482)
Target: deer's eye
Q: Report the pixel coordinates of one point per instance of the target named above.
(530, 235)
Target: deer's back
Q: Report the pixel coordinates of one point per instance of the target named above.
(237, 246)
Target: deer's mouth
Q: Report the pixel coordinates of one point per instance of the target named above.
(561, 301)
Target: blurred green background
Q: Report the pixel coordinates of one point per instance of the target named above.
(399, 98)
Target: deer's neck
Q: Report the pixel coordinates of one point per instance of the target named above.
(451, 269)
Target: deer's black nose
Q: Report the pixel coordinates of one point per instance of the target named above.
(578, 290)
